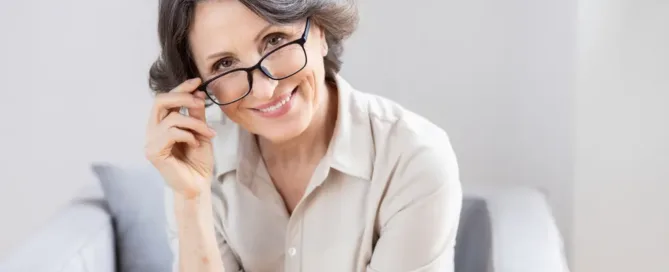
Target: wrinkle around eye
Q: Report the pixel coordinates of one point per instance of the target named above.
(216, 67)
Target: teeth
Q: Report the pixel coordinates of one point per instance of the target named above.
(277, 105)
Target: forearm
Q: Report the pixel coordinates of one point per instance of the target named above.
(198, 248)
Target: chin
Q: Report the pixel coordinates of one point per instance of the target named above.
(284, 131)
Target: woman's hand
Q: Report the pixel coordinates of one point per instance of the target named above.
(179, 146)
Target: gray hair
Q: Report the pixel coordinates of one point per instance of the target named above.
(337, 18)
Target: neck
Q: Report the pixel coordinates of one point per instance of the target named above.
(311, 144)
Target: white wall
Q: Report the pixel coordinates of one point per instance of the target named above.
(497, 75)
(621, 186)
(73, 90)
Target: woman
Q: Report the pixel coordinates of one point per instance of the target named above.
(310, 174)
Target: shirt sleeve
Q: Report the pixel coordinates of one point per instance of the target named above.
(227, 255)
(419, 215)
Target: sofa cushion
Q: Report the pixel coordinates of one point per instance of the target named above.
(135, 199)
(473, 249)
(78, 239)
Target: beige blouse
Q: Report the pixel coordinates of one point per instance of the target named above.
(386, 197)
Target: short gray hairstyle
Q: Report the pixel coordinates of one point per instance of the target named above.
(337, 18)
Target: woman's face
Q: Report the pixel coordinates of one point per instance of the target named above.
(226, 35)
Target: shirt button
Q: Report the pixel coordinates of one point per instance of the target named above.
(292, 251)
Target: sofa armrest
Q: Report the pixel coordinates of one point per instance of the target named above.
(78, 239)
(525, 236)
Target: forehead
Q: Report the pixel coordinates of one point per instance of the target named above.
(222, 24)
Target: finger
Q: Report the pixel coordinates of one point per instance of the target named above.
(175, 119)
(198, 113)
(200, 95)
(166, 102)
(160, 146)
(177, 97)
(177, 135)
(187, 86)
(177, 100)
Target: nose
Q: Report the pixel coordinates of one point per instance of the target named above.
(263, 86)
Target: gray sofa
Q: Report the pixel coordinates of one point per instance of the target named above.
(501, 230)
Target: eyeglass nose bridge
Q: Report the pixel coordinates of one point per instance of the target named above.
(265, 71)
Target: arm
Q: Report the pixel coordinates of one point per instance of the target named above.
(419, 215)
(198, 250)
(193, 239)
(178, 144)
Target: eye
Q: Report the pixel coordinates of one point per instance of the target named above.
(223, 64)
(275, 39)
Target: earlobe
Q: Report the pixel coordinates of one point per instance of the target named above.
(324, 48)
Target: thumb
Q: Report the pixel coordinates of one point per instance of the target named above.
(198, 113)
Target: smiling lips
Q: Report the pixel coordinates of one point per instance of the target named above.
(278, 107)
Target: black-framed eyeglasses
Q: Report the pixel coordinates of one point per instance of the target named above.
(280, 63)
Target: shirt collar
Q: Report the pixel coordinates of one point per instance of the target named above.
(351, 149)
(234, 149)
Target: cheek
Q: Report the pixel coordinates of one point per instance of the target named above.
(309, 87)
(233, 112)
(314, 75)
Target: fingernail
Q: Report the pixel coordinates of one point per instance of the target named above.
(212, 131)
(192, 80)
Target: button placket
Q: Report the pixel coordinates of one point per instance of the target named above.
(293, 244)
(292, 251)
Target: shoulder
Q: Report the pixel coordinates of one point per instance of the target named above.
(405, 140)
(414, 160)
(399, 132)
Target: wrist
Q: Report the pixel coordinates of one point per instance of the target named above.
(196, 212)
(194, 189)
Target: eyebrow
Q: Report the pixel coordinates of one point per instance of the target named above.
(258, 36)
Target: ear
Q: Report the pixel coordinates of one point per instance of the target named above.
(324, 44)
